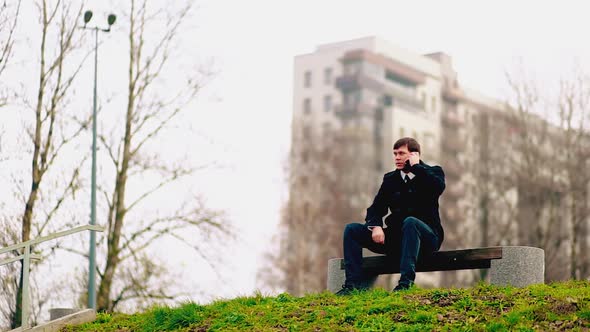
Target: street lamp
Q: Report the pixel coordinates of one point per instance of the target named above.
(92, 254)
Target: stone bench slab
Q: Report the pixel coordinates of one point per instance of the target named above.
(517, 266)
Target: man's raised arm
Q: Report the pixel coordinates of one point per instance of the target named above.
(432, 178)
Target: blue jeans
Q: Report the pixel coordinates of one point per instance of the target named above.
(414, 238)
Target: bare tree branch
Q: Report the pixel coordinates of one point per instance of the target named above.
(8, 41)
(69, 191)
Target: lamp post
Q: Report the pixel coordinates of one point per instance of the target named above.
(92, 254)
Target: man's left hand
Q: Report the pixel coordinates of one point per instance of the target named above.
(414, 158)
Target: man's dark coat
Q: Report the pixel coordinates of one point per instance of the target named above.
(417, 198)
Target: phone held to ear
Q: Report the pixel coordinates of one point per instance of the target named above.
(407, 166)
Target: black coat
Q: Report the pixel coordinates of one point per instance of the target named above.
(417, 198)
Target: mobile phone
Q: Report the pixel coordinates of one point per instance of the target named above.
(407, 166)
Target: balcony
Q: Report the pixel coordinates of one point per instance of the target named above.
(401, 96)
(451, 134)
(451, 119)
(406, 72)
(452, 94)
(452, 148)
(357, 81)
(346, 112)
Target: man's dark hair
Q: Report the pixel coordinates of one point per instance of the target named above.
(411, 143)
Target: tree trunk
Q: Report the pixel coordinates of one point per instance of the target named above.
(104, 291)
(103, 296)
(36, 171)
(485, 224)
(574, 241)
(584, 249)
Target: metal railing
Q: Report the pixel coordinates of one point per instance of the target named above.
(26, 257)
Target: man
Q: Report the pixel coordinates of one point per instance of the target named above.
(411, 193)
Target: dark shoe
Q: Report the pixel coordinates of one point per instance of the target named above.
(349, 289)
(402, 287)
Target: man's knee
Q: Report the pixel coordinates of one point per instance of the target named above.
(410, 223)
(352, 229)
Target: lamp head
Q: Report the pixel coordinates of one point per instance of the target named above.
(87, 16)
(111, 19)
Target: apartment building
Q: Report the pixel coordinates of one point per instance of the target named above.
(364, 81)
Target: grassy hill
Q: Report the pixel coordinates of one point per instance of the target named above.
(558, 306)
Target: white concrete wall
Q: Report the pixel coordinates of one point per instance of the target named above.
(414, 60)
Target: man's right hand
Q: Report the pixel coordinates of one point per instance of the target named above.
(378, 235)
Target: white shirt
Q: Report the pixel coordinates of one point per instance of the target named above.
(403, 174)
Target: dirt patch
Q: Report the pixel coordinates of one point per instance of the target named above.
(491, 297)
(441, 301)
(204, 328)
(446, 301)
(564, 308)
(399, 316)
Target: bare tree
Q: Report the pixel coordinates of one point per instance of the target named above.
(574, 105)
(49, 133)
(8, 273)
(518, 196)
(331, 178)
(134, 156)
(453, 215)
(9, 14)
(151, 109)
(542, 189)
(495, 204)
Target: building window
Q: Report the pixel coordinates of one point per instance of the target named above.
(327, 127)
(304, 181)
(433, 103)
(305, 157)
(307, 79)
(305, 209)
(306, 132)
(428, 140)
(307, 106)
(379, 115)
(387, 100)
(357, 97)
(352, 99)
(328, 75)
(327, 103)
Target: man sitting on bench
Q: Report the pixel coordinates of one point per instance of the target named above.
(411, 193)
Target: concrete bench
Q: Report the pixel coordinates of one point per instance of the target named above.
(514, 266)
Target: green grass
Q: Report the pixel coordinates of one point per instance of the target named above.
(558, 306)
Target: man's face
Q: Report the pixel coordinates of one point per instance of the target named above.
(400, 156)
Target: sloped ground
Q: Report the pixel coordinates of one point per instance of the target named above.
(555, 307)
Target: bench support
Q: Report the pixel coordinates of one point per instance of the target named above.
(519, 267)
(336, 276)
